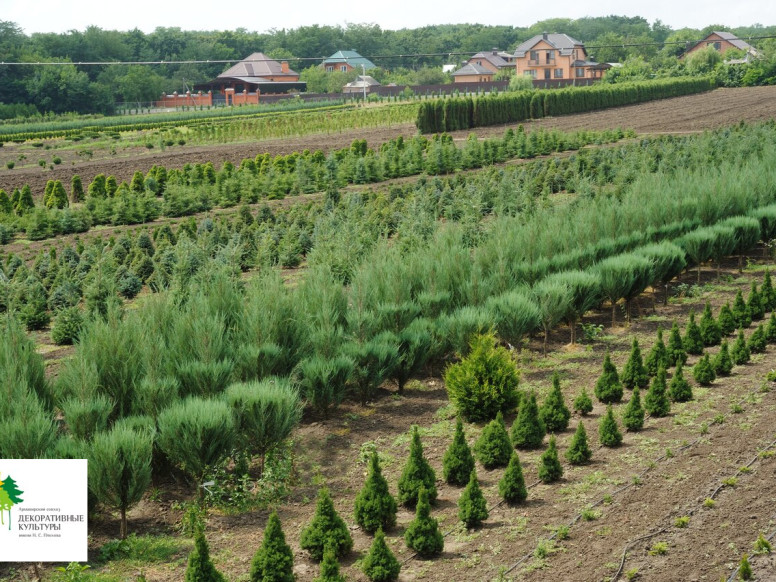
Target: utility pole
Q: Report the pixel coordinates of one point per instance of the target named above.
(363, 80)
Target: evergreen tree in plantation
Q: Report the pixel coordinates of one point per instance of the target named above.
(757, 342)
(512, 487)
(634, 373)
(327, 527)
(692, 342)
(711, 332)
(200, 568)
(553, 412)
(676, 352)
(528, 430)
(380, 565)
(375, 507)
(608, 432)
(770, 329)
(741, 315)
(579, 451)
(679, 390)
(494, 448)
(608, 389)
(330, 568)
(458, 461)
(633, 415)
(727, 323)
(417, 474)
(550, 468)
(657, 355)
(740, 351)
(583, 404)
(703, 372)
(422, 534)
(472, 507)
(656, 401)
(274, 560)
(76, 189)
(767, 292)
(755, 303)
(722, 362)
(745, 568)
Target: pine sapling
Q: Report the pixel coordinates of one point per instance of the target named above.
(579, 451)
(326, 529)
(512, 487)
(757, 343)
(692, 342)
(380, 565)
(422, 534)
(703, 372)
(711, 332)
(608, 389)
(676, 352)
(528, 430)
(553, 412)
(633, 415)
(417, 474)
(656, 401)
(274, 560)
(472, 507)
(740, 351)
(375, 507)
(727, 323)
(608, 432)
(679, 390)
(458, 461)
(550, 468)
(722, 362)
(583, 403)
(493, 448)
(634, 373)
(657, 355)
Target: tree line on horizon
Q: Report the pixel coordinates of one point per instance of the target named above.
(31, 90)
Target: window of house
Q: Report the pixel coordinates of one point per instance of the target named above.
(558, 73)
(329, 69)
(344, 68)
(547, 73)
(580, 72)
(534, 56)
(550, 56)
(531, 73)
(718, 46)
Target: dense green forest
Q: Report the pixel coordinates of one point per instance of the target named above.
(32, 89)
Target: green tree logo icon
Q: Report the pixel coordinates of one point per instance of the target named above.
(9, 496)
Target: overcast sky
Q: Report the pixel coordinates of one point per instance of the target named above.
(61, 15)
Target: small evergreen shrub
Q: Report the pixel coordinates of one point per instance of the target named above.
(458, 461)
(711, 332)
(633, 415)
(550, 468)
(692, 342)
(656, 401)
(553, 412)
(757, 343)
(67, 326)
(608, 432)
(327, 530)
(679, 390)
(274, 560)
(417, 474)
(740, 351)
(528, 430)
(703, 372)
(755, 303)
(380, 565)
(375, 507)
(767, 292)
(744, 568)
(330, 568)
(583, 404)
(494, 447)
(608, 389)
(657, 355)
(579, 451)
(676, 351)
(634, 373)
(722, 362)
(422, 534)
(472, 507)
(200, 568)
(726, 321)
(512, 487)
(740, 310)
(770, 329)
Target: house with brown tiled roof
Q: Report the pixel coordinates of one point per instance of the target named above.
(552, 56)
(494, 60)
(256, 73)
(473, 73)
(722, 41)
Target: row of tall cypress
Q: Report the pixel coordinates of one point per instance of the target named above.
(442, 115)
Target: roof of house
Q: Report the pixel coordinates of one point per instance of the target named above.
(495, 57)
(362, 80)
(563, 42)
(472, 69)
(255, 66)
(734, 40)
(351, 58)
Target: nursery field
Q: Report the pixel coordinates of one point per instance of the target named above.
(280, 326)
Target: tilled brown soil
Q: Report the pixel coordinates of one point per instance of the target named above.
(677, 115)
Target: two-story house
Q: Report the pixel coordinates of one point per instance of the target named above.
(346, 61)
(552, 56)
(723, 42)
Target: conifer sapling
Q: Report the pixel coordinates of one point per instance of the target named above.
(679, 390)
(553, 412)
(583, 403)
(711, 332)
(375, 507)
(740, 351)
(528, 430)
(512, 487)
(550, 468)
(676, 352)
(703, 372)
(417, 474)
(472, 507)
(755, 303)
(656, 401)
(608, 432)
(770, 329)
(727, 323)
(494, 448)
(579, 451)
(330, 568)
(722, 362)
(200, 567)
(692, 342)
(633, 415)
(458, 461)
(326, 528)
(634, 373)
(608, 389)
(380, 565)
(657, 355)
(422, 534)
(740, 310)
(757, 343)
(274, 560)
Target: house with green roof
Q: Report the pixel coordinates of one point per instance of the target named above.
(347, 61)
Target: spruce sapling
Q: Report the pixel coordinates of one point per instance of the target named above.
(679, 390)
(634, 373)
(703, 372)
(200, 567)
(550, 468)
(417, 473)
(423, 533)
(755, 303)
(375, 507)
(458, 461)
(657, 355)
(727, 323)
(494, 448)
(767, 292)
(757, 341)
(608, 389)
(583, 403)
(740, 350)
(330, 568)
(740, 310)
(676, 352)
(711, 332)
(770, 329)
(633, 415)
(326, 529)
(656, 402)
(608, 432)
(274, 560)
(512, 487)
(528, 430)
(692, 342)
(553, 412)
(472, 507)
(579, 451)
(722, 362)
(380, 565)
